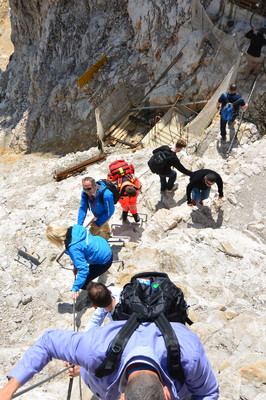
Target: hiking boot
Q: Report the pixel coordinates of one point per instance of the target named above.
(136, 217)
(201, 203)
(124, 216)
(193, 203)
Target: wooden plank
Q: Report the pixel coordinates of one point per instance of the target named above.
(58, 176)
(122, 141)
(259, 8)
(87, 76)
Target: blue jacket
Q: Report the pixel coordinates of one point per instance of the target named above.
(88, 349)
(101, 210)
(86, 249)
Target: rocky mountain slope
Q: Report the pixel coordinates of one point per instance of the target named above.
(216, 253)
(56, 42)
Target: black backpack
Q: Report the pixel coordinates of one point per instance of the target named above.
(112, 187)
(158, 161)
(149, 297)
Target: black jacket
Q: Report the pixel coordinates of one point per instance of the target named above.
(197, 181)
(256, 42)
(173, 161)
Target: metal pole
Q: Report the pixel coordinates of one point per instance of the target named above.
(70, 385)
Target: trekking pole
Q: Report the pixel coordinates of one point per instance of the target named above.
(249, 97)
(70, 385)
(145, 172)
(40, 383)
(235, 135)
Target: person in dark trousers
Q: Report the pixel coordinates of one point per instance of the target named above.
(100, 201)
(230, 97)
(142, 371)
(91, 255)
(200, 185)
(253, 54)
(167, 174)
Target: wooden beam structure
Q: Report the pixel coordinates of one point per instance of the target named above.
(257, 6)
(59, 176)
(87, 76)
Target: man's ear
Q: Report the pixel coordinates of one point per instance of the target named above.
(122, 396)
(166, 393)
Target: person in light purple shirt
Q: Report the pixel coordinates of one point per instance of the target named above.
(141, 373)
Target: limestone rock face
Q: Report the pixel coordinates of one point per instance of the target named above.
(55, 42)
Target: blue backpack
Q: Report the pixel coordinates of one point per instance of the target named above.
(228, 112)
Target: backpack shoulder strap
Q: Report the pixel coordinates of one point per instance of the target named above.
(226, 97)
(173, 349)
(101, 196)
(237, 101)
(116, 349)
(88, 203)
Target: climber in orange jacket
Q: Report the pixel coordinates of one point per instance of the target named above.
(129, 192)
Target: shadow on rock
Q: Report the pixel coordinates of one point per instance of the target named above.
(127, 231)
(166, 201)
(81, 306)
(222, 148)
(202, 218)
(182, 201)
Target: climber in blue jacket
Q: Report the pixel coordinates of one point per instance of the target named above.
(91, 255)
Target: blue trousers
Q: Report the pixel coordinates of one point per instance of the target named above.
(168, 185)
(198, 195)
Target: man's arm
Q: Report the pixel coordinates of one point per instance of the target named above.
(180, 167)
(59, 344)
(221, 100)
(218, 105)
(109, 207)
(83, 208)
(79, 261)
(250, 34)
(189, 188)
(9, 389)
(200, 379)
(219, 183)
(97, 318)
(245, 106)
